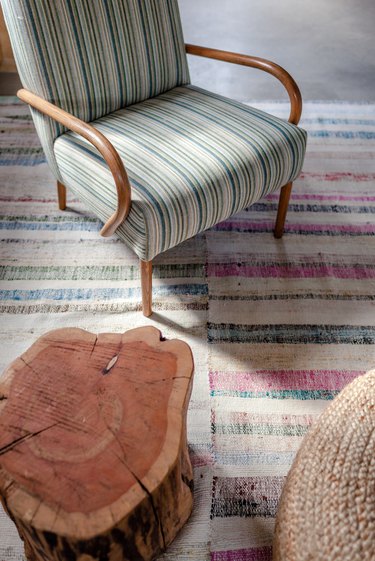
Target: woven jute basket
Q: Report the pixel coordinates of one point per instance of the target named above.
(327, 507)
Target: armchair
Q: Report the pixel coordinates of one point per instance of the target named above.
(155, 158)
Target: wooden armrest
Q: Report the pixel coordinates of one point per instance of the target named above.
(100, 142)
(261, 63)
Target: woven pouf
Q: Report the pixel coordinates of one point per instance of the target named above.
(327, 508)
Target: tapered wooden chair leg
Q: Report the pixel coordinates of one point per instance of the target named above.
(282, 210)
(146, 281)
(61, 193)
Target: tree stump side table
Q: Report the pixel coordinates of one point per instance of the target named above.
(93, 452)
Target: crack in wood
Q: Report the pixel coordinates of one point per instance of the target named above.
(36, 510)
(141, 484)
(28, 365)
(152, 506)
(57, 512)
(164, 379)
(94, 345)
(22, 439)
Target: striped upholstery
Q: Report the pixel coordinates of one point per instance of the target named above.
(193, 158)
(92, 57)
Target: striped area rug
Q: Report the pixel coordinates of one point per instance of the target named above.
(277, 327)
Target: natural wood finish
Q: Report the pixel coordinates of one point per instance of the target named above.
(61, 193)
(282, 210)
(93, 452)
(102, 144)
(146, 282)
(7, 63)
(262, 64)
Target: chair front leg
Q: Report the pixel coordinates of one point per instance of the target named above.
(282, 210)
(61, 193)
(146, 282)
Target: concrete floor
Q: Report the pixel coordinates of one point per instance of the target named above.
(327, 45)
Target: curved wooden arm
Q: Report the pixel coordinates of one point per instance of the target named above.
(100, 142)
(261, 63)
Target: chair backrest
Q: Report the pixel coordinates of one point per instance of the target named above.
(92, 57)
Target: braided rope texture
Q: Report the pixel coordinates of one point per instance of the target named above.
(327, 508)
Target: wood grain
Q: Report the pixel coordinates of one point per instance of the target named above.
(146, 281)
(7, 63)
(262, 64)
(102, 144)
(61, 194)
(282, 210)
(93, 450)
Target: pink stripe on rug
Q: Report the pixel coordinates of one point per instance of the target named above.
(337, 176)
(257, 554)
(333, 228)
(263, 380)
(200, 459)
(313, 197)
(324, 229)
(289, 271)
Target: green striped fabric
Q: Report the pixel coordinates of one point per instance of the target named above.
(92, 57)
(193, 158)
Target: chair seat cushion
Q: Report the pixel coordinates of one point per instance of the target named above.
(193, 159)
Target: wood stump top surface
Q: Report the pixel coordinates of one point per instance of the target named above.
(90, 424)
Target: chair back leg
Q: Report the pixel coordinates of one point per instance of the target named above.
(282, 210)
(146, 281)
(61, 193)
